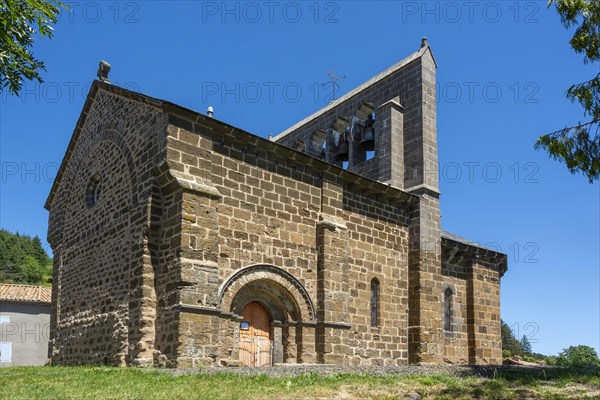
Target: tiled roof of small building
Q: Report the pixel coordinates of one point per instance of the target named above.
(25, 293)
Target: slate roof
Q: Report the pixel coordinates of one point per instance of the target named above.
(460, 239)
(25, 293)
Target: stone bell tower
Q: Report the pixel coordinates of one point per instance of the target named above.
(402, 101)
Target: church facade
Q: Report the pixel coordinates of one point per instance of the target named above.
(180, 240)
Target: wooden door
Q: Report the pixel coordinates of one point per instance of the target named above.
(255, 336)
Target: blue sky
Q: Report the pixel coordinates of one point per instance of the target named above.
(503, 68)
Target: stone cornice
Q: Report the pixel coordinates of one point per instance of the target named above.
(329, 221)
(173, 180)
(393, 103)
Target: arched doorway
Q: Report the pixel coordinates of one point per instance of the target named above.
(287, 306)
(255, 336)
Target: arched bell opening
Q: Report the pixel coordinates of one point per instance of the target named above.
(340, 140)
(364, 132)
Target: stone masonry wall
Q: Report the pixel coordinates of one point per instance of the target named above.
(454, 276)
(485, 342)
(473, 275)
(262, 204)
(98, 300)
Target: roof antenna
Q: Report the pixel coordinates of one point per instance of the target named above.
(334, 83)
(210, 111)
(103, 70)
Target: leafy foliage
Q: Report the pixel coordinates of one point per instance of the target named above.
(20, 21)
(578, 356)
(578, 146)
(509, 342)
(23, 259)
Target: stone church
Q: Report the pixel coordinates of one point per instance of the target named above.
(180, 240)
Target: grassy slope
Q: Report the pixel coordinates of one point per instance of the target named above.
(128, 383)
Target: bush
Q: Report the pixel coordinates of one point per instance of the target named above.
(552, 360)
(578, 356)
(530, 359)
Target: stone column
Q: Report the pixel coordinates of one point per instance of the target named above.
(390, 142)
(424, 258)
(290, 346)
(332, 275)
(277, 341)
(306, 339)
(425, 316)
(192, 286)
(142, 306)
(199, 336)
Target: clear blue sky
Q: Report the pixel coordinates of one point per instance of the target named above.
(503, 68)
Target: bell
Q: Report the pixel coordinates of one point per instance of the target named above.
(342, 149)
(342, 154)
(367, 139)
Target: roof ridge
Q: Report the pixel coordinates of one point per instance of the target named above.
(18, 292)
(22, 284)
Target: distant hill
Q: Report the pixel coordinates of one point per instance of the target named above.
(23, 260)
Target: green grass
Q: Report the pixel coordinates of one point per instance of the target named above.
(128, 383)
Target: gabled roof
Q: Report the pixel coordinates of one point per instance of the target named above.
(25, 293)
(400, 64)
(460, 239)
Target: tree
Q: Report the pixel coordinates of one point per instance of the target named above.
(509, 341)
(19, 20)
(578, 356)
(23, 259)
(578, 146)
(526, 346)
(32, 270)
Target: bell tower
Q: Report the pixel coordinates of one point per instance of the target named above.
(385, 130)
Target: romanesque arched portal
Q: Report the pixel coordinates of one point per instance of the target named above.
(286, 303)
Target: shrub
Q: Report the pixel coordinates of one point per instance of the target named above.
(578, 356)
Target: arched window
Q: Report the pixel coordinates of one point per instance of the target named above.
(448, 310)
(374, 302)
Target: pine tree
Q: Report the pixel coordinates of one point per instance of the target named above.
(526, 346)
(509, 341)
